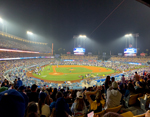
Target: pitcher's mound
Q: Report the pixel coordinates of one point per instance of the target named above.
(72, 69)
(57, 73)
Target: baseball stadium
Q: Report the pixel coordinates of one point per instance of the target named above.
(56, 71)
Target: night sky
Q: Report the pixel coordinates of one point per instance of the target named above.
(57, 21)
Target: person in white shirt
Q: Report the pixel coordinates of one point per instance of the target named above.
(113, 96)
(43, 109)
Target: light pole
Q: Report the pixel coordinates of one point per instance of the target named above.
(127, 36)
(3, 25)
(79, 39)
(30, 33)
(1, 20)
(136, 36)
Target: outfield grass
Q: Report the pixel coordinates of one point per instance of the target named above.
(67, 76)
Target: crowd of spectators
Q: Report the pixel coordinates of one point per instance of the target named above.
(20, 45)
(52, 102)
(83, 57)
(46, 101)
(19, 54)
(131, 59)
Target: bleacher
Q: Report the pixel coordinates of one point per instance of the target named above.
(79, 57)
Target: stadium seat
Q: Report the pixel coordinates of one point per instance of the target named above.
(130, 100)
(114, 109)
(127, 114)
(99, 114)
(144, 103)
(142, 115)
(133, 99)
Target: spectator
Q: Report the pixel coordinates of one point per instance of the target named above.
(136, 77)
(123, 79)
(43, 109)
(53, 96)
(140, 88)
(19, 82)
(78, 107)
(28, 90)
(112, 79)
(15, 82)
(23, 93)
(3, 89)
(113, 96)
(96, 105)
(62, 108)
(31, 108)
(107, 83)
(58, 95)
(33, 96)
(130, 90)
(122, 88)
(11, 104)
(5, 84)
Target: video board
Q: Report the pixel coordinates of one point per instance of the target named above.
(79, 51)
(130, 51)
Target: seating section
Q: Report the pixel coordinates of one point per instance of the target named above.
(130, 59)
(19, 54)
(81, 57)
(8, 43)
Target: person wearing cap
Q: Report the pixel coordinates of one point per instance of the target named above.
(12, 104)
(43, 109)
(113, 96)
(78, 107)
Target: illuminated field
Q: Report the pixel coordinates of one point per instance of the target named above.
(70, 72)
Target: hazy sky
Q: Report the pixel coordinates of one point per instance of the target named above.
(58, 21)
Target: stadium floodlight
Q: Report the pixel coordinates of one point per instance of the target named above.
(82, 36)
(1, 20)
(128, 35)
(30, 33)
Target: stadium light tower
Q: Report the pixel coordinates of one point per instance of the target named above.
(128, 36)
(1, 20)
(82, 36)
(30, 33)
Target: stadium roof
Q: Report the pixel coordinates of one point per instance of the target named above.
(146, 2)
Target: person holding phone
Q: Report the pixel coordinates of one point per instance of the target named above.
(96, 105)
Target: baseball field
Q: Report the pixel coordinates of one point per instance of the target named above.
(69, 72)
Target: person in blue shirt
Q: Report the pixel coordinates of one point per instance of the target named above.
(19, 82)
